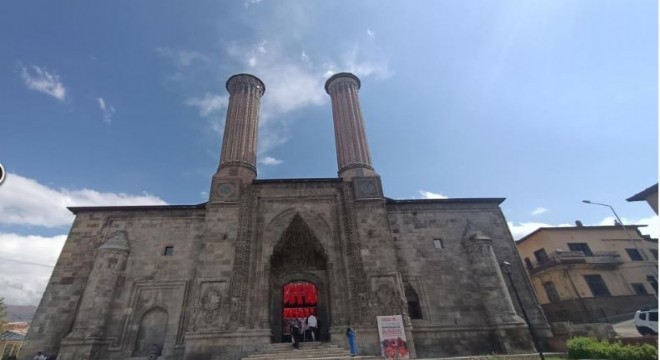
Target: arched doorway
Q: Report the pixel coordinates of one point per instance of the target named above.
(299, 301)
(299, 281)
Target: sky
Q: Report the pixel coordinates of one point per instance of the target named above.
(544, 103)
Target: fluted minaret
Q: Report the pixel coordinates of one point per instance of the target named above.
(353, 157)
(239, 145)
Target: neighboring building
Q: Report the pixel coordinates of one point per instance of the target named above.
(590, 273)
(11, 339)
(222, 279)
(650, 195)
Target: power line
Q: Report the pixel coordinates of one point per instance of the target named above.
(26, 262)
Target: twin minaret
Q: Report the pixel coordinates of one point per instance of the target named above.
(239, 145)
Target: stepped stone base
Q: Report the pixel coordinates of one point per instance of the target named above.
(307, 351)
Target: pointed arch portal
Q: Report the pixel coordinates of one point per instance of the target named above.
(299, 281)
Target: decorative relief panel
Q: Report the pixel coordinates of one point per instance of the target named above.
(226, 190)
(361, 311)
(169, 296)
(234, 308)
(208, 304)
(368, 187)
(389, 296)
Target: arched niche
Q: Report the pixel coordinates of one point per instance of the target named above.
(152, 331)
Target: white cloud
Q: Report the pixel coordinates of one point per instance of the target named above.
(107, 110)
(211, 106)
(25, 201)
(248, 3)
(519, 230)
(270, 161)
(26, 263)
(183, 58)
(209, 103)
(431, 195)
(652, 224)
(539, 211)
(370, 34)
(304, 57)
(525, 228)
(41, 80)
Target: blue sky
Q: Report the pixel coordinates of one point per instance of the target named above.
(545, 103)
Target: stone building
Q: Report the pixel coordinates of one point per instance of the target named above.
(215, 280)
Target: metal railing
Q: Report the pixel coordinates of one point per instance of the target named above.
(560, 257)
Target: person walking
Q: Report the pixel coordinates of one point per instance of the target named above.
(312, 323)
(350, 333)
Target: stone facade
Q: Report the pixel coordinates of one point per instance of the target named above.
(205, 281)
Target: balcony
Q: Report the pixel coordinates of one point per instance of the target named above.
(597, 259)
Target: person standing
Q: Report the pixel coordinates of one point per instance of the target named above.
(350, 333)
(295, 334)
(312, 323)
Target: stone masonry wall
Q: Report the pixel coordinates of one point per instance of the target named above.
(150, 279)
(442, 277)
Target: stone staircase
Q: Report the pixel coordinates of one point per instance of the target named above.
(307, 351)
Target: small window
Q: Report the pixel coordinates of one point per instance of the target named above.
(550, 290)
(528, 263)
(653, 316)
(639, 289)
(634, 254)
(584, 247)
(414, 308)
(654, 252)
(642, 316)
(438, 244)
(541, 256)
(169, 251)
(597, 285)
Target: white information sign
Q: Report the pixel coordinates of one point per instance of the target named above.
(392, 337)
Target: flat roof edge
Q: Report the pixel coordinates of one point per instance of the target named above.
(447, 201)
(77, 209)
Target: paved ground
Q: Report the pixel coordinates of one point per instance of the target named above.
(626, 328)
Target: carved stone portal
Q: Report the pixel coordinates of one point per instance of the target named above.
(298, 256)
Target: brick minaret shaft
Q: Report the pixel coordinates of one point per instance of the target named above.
(353, 157)
(239, 144)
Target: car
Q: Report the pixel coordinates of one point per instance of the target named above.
(646, 321)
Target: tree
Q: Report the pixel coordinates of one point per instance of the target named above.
(3, 314)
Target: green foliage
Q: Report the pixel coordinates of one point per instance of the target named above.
(3, 314)
(587, 348)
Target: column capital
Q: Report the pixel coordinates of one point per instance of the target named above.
(244, 81)
(342, 77)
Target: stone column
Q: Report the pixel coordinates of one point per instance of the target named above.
(88, 334)
(508, 328)
(494, 293)
(239, 145)
(353, 157)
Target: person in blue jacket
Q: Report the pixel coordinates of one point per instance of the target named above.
(350, 333)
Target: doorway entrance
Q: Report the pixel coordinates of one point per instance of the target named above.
(298, 282)
(299, 301)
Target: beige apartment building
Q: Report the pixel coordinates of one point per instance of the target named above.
(591, 273)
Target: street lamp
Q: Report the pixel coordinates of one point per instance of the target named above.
(627, 235)
(508, 269)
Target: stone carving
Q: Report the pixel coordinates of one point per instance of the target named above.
(239, 277)
(298, 248)
(209, 304)
(361, 311)
(367, 187)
